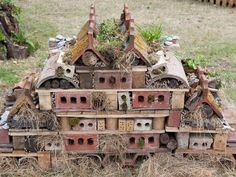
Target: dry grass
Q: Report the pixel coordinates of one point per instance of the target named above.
(161, 165)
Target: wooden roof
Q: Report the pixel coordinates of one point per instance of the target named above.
(137, 44)
(85, 40)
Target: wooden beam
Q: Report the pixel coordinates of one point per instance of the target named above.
(93, 115)
(109, 90)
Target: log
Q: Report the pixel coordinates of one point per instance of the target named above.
(14, 50)
(64, 84)
(47, 85)
(172, 144)
(55, 84)
(164, 138)
(89, 58)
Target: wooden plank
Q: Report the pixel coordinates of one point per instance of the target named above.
(227, 151)
(32, 133)
(177, 101)
(194, 130)
(113, 114)
(18, 154)
(110, 132)
(45, 102)
(79, 48)
(111, 90)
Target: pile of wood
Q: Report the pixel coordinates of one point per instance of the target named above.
(9, 28)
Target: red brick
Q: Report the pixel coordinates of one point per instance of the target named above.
(73, 100)
(151, 141)
(85, 125)
(88, 142)
(174, 118)
(161, 100)
(122, 80)
(4, 137)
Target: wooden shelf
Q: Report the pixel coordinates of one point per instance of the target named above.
(195, 130)
(22, 154)
(112, 132)
(19, 132)
(146, 114)
(208, 151)
(30, 132)
(111, 90)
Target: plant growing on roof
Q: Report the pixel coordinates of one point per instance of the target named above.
(108, 35)
(192, 63)
(151, 33)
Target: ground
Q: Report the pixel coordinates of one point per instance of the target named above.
(206, 32)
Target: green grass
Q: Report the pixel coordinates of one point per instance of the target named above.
(8, 76)
(151, 33)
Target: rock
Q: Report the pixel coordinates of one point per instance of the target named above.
(4, 117)
(60, 37)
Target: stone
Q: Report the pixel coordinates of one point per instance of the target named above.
(200, 141)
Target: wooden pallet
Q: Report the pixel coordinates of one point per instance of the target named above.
(42, 157)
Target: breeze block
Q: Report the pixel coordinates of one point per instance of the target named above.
(151, 100)
(200, 141)
(85, 125)
(142, 124)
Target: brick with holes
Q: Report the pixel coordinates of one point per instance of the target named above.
(143, 141)
(85, 125)
(82, 142)
(129, 125)
(101, 124)
(73, 100)
(200, 141)
(53, 146)
(124, 101)
(122, 125)
(142, 124)
(151, 100)
(111, 79)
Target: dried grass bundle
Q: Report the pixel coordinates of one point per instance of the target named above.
(100, 101)
(27, 118)
(113, 143)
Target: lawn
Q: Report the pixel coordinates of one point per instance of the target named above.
(206, 31)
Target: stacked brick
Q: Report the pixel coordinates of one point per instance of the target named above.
(91, 100)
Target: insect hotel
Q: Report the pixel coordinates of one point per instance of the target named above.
(125, 99)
